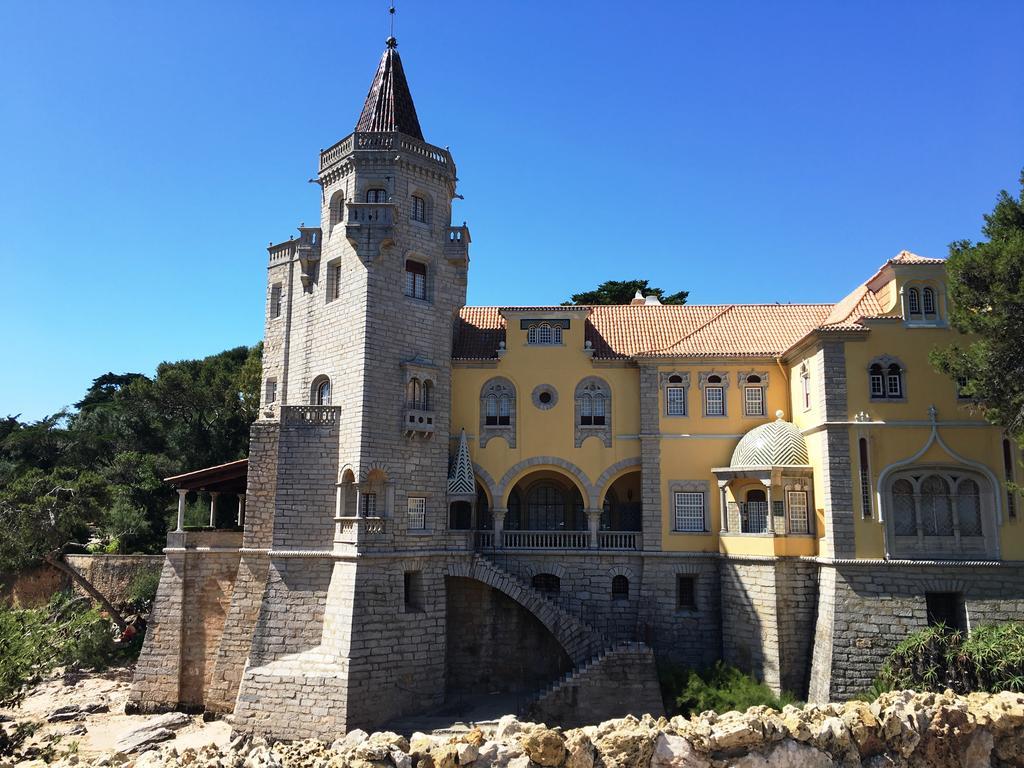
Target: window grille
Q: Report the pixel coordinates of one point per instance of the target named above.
(686, 592)
(865, 479)
(417, 507)
(415, 279)
(419, 209)
(491, 411)
(620, 588)
(928, 299)
(689, 511)
(544, 333)
(799, 520)
(753, 401)
(714, 401)
(504, 411)
(914, 301)
(675, 397)
(369, 505)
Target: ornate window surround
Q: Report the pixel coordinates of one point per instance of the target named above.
(665, 384)
(742, 377)
(588, 387)
(541, 389)
(498, 387)
(703, 384)
(886, 361)
(691, 486)
(935, 318)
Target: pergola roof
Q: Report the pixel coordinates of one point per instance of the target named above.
(225, 478)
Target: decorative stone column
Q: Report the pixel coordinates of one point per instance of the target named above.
(723, 509)
(213, 508)
(499, 525)
(182, 493)
(594, 524)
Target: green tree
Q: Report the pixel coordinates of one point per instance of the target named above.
(986, 281)
(622, 292)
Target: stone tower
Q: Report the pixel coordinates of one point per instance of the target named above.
(346, 536)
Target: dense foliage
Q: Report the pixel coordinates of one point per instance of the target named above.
(95, 471)
(65, 632)
(622, 292)
(986, 282)
(720, 688)
(989, 658)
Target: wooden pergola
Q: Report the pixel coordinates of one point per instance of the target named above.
(224, 478)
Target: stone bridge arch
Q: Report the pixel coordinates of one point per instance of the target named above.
(580, 641)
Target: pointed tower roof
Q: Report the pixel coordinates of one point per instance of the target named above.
(389, 106)
(461, 480)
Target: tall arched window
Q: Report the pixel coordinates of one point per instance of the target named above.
(913, 301)
(427, 396)
(968, 507)
(620, 588)
(936, 510)
(321, 391)
(337, 208)
(546, 508)
(413, 393)
(904, 516)
(885, 379)
(498, 411)
(928, 300)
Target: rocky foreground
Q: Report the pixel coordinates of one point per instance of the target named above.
(899, 729)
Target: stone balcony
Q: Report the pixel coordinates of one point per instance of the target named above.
(456, 249)
(369, 227)
(419, 422)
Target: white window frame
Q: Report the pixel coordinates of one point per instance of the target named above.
(719, 403)
(419, 209)
(684, 506)
(675, 395)
(758, 401)
(368, 504)
(913, 301)
(416, 282)
(928, 303)
(416, 508)
(799, 512)
(544, 334)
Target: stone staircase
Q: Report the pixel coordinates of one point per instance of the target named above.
(580, 640)
(620, 680)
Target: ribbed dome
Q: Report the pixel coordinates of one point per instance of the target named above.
(773, 444)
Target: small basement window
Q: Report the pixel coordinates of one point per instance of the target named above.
(620, 588)
(547, 583)
(686, 592)
(413, 591)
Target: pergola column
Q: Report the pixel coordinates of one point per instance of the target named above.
(724, 508)
(213, 508)
(182, 493)
(241, 510)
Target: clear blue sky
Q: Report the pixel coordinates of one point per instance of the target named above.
(743, 151)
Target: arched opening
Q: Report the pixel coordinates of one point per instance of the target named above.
(620, 588)
(495, 646)
(622, 508)
(545, 501)
(321, 394)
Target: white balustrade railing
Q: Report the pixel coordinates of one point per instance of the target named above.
(375, 140)
(485, 539)
(618, 539)
(545, 539)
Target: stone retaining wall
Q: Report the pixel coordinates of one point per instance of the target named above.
(112, 575)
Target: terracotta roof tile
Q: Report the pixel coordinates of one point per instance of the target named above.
(906, 257)
(389, 105)
(622, 331)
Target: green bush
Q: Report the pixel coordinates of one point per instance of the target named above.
(142, 589)
(721, 688)
(989, 658)
(65, 632)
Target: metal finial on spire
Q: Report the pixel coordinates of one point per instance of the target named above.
(391, 41)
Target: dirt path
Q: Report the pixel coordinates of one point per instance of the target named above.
(98, 732)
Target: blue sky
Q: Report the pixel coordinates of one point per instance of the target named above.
(742, 151)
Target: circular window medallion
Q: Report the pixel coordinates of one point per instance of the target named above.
(545, 396)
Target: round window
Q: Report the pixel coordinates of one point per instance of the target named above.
(545, 396)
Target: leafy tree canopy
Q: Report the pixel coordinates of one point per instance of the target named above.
(622, 292)
(96, 471)
(986, 281)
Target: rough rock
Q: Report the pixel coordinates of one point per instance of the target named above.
(671, 751)
(153, 731)
(788, 754)
(544, 747)
(508, 726)
(579, 750)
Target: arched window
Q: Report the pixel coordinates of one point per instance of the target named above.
(336, 208)
(968, 507)
(876, 377)
(894, 381)
(376, 195)
(546, 583)
(928, 300)
(620, 588)
(885, 379)
(914, 301)
(427, 396)
(321, 391)
(904, 517)
(544, 333)
(498, 411)
(593, 410)
(413, 393)
(546, 508)
(936, 510)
